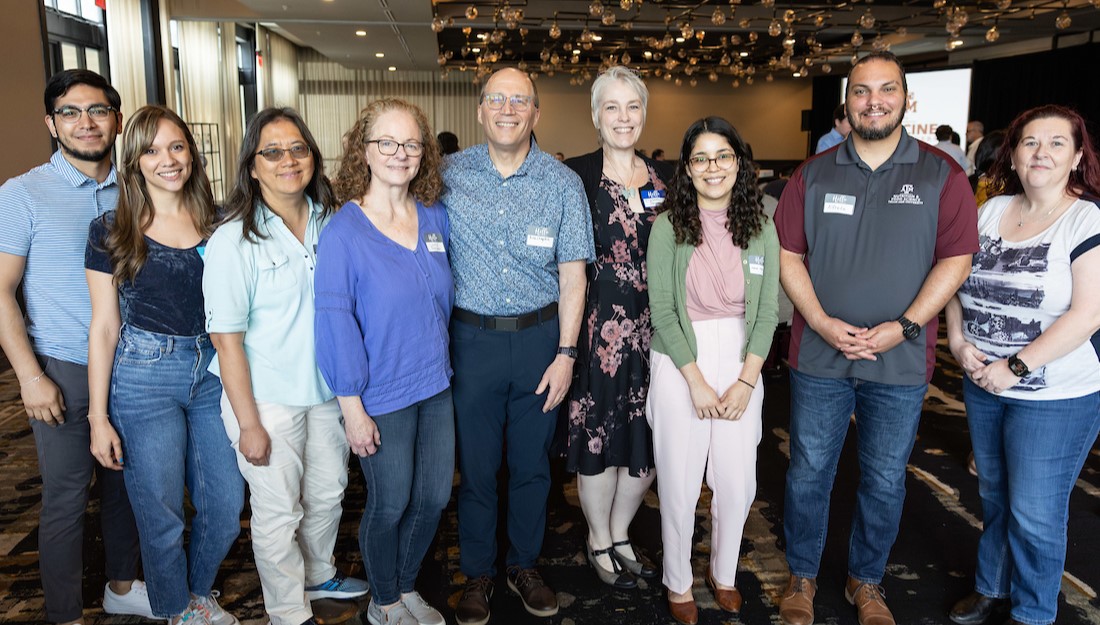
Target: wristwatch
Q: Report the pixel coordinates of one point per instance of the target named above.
(1018, 367)
(568, 351)
(909, 329)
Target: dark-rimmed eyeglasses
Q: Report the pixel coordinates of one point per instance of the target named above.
(388, 147)
(274, 155)
(495, 101)
(97, 112)
(701, 162)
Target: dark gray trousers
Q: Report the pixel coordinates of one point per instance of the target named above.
(66, 464)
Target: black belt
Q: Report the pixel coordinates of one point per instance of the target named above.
(507, 324)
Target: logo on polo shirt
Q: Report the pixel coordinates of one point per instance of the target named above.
(905, 196)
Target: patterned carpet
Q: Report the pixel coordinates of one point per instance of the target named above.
(930, 567)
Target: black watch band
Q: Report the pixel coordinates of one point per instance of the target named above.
(1018, 367)
(909, 329)
(568, 351)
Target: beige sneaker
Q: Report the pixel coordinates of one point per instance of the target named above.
(870, 600)
(796, 606)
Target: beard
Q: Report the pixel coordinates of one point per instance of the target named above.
(84, 155)
(871, 133)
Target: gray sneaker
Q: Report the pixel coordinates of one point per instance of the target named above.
(424, 613)
(214, 612)
(397, 615)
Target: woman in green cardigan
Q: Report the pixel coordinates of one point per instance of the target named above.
(713, 284)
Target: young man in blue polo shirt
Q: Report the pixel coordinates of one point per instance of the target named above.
(44, 217)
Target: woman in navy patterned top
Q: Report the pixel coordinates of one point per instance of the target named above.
(1024, 327)
(153, 406)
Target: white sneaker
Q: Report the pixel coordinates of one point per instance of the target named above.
(195, 614)
(135, 602)
(424, 613)
(397, 615)
(214, 612)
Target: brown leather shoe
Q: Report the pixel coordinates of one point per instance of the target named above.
(473, 607)
(729, 600)
(685, 613)
(537, 597)
(870, 600)
(796, 606)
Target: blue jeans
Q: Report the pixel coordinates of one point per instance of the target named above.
(886, 428)
(408, 484)
(1029, 453)
(166, 408)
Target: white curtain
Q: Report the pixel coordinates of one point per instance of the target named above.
(125, 46)
(232, 111)
(279, 71)
(331, 96)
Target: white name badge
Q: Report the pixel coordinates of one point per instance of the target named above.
(539, 236)
(839, 204)
(756, 265)
(434, 242)
(653, 199)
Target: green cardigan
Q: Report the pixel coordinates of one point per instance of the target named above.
(667, 263)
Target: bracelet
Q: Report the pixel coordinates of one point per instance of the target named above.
(746, 384)
(33, 380)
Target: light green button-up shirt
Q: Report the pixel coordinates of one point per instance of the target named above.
(265, 289)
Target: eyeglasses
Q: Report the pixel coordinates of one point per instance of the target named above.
(495, 101)
(274, 155)
(97, 112)
(388, 147)
(701, 163)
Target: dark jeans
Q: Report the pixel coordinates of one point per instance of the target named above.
(496, 374)
(66, 464)
(408, 484)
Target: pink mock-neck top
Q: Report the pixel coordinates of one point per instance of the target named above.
(715, 280)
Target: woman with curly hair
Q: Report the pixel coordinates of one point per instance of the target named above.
(384, 296)
(151, 398)
(713, 286)
(283, 419)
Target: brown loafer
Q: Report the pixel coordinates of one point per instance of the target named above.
(796, 606)
(728, 600)
(870, 601)
(685, 613)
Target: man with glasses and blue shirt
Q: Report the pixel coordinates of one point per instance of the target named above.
(521, 236)
(44, 217)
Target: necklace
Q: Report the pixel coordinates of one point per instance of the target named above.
(1020, 221)
(628, 191)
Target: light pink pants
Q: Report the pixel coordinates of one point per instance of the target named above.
(687, 448)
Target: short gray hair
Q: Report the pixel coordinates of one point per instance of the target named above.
(606, 78)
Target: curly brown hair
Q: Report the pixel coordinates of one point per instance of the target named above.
(746, 210)
(125, 242)
(353, 178)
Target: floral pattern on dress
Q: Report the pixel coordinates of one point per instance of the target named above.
(606, 423)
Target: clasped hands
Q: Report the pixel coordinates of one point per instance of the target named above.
(860, 343)
(991, 375)
(731, 405)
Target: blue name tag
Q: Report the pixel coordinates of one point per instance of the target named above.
(653, 199)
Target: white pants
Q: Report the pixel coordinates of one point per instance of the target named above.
(295, 501)
(686, 447)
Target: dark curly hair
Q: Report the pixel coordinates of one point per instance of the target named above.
(353, 178)
(746, 211)
(1084, 180)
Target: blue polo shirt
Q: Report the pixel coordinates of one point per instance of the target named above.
(44, 217)
(508, 235)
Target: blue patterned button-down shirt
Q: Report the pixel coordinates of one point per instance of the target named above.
(508, 235)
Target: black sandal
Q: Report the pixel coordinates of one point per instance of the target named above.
(642, 567)
(618, 577)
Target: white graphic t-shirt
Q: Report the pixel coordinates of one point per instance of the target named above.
(1018, 289)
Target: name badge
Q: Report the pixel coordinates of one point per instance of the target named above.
(756, 265)
(434, 242)
(839, 204)
(539, 236)
(653, 199)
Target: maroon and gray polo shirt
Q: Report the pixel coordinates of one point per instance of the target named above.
(870, 239)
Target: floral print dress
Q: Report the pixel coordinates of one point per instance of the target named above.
(606, 424)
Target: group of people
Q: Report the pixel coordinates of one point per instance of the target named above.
(418, 308)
